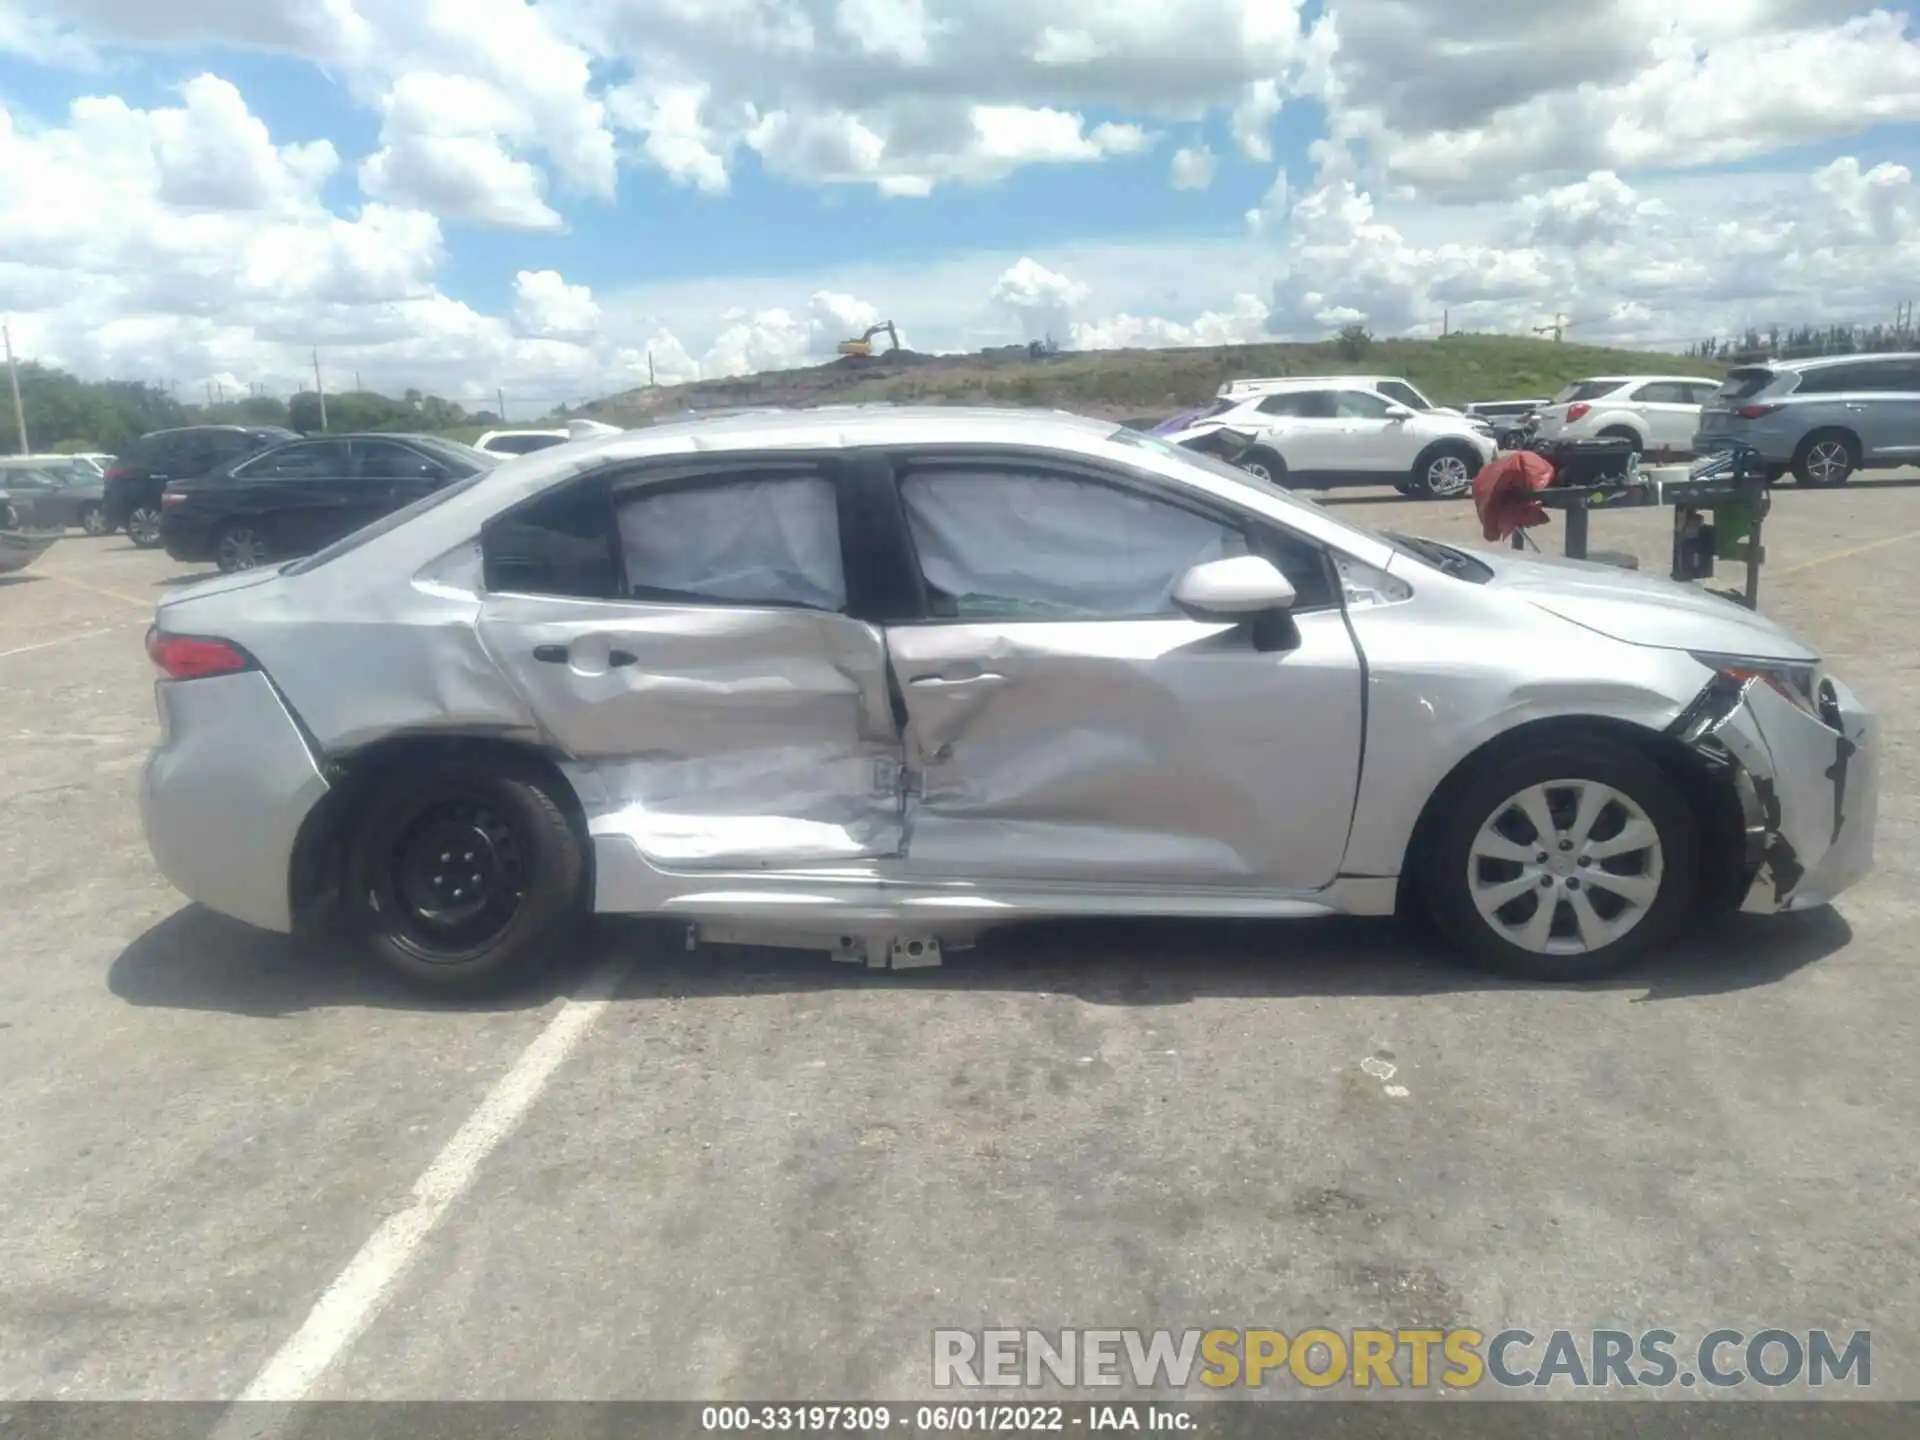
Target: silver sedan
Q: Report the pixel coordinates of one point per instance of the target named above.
(873, 681)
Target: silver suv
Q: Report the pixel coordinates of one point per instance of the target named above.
(1822, 419)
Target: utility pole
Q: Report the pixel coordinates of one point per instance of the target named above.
(500, 395)
(1446, 322)
(209, 394)
(220, 391)
(651, 382)
(356, 381)
(13, 379)
(321, 390)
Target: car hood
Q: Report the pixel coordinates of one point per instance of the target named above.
(1644, 609)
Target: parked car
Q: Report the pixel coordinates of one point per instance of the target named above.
(55, 491)
(872, 681)
(1822, 419)
(519, 442)
(291, 500)
(1394, 387)
(1319, 433)
(135, 481)
(1657, 413)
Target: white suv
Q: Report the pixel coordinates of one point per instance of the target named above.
(1399, 390)
(1316, 433)
(1658, 413)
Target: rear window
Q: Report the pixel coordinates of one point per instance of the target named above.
(1586, 390)
(1744, 384)
(522, 444)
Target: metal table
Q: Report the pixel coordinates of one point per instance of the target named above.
(1719, 505)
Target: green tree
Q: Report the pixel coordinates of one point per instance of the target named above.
(1354, 341)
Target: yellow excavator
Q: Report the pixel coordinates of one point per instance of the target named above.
(864, 345)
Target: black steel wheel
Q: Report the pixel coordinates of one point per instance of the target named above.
(467, 871)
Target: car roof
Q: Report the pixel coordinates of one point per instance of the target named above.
(1821, 362)
(1643, 379)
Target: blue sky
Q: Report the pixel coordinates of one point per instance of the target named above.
(1576, 155)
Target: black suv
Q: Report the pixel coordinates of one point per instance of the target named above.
(144, 468)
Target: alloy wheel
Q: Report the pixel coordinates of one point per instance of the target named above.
(1565, 867)
(1829, 462)
(143, 526)
(242, 548)
(93, 520)
(1448, 475)
(1258, 469)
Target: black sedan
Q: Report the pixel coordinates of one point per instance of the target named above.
(297, 498)
(56, 493)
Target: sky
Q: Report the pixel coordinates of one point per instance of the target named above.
(556, 200)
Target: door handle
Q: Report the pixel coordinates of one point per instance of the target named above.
(550, 654)
(954, 682)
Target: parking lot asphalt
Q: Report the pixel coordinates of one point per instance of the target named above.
(754, 1173)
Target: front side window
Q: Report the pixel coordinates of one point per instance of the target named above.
(770, 540)
(313, 460)
(389, 460)
(1300, 404)
(1018, 544)
(1360, 405)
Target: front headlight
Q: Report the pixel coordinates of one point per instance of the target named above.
(1797, 683)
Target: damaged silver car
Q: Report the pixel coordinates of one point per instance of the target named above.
(874, 681)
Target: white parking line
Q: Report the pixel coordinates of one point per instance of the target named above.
(363, 1288)
(63, 640)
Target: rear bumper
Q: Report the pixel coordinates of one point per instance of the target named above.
(225, 793)
(1810, 790)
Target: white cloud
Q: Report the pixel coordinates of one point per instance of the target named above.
(1494, 161)
(1192, 168)
(545, 305)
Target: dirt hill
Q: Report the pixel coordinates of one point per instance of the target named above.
(1128, 384)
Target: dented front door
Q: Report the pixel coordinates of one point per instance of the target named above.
(1142, 753)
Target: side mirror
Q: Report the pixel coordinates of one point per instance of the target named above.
(1399, 412)
(1232, 590)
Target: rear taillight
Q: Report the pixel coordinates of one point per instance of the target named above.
(117, 472)
(1577, 410)
(170, 497)
(1756, 412)
(194, 657)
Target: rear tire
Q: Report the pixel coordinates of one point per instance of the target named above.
(1826, 458)
(465, 874)
(239, 546)
(143, 527)
(1443, 471)
(93, 520)
(1620, 869)
(1264, 464)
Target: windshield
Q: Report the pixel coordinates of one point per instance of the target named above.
(465, 456)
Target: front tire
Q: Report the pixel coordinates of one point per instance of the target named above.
(1566, 861)
(143, 527)
(93, 520)
(467, 873)
(1826, 458)
(1443, 472)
